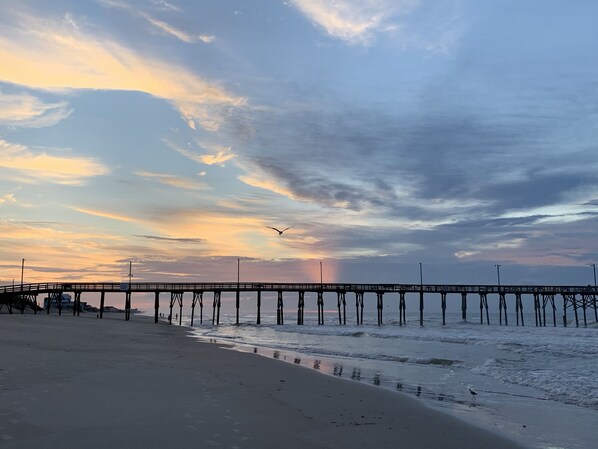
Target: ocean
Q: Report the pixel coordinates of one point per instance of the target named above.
(538, 385)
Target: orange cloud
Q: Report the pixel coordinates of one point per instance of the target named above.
(46, 54)
(103, 214)
(42, 167)
(174, 181)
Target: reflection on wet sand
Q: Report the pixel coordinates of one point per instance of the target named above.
(337, 369)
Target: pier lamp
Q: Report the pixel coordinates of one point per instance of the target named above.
(498, 274)
(22, 272)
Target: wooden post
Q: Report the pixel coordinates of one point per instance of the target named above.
(359, 307)
(421, 306)
(180, 299)
(464, 306)
(259, 306)
(342, 319)
(171, 305)
(127, 305)
(102, 303)
(564, 311)
(402, 309)
(484, 304)
(380, 306)
(218, 304)
(502, 307)
(156, 306)
(280, 309)
(519, 308)
(443, 306)
(575, 310)
(537, 309)
(320, 307)
(237, 304)
(300, 307)
(197, 296)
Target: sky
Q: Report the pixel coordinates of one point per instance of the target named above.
(459, 134)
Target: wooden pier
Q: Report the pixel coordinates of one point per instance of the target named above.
(577, 299)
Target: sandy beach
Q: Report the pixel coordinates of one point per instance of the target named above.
(80, 382)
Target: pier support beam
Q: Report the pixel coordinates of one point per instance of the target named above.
(301, 307)
(77, 304)
(443, 307)
(156, 305)
(102, 296)
(484, 304)
(421, 307)
(548, 298)
(237, 304)
(380, 306)
(519, 308)
(570, 300)
(280, 309)
(340, 296)
(586, 301)
(176, 297)
(359, 307)
(127, 305)
(259, 307)
(502, 308)
(402, 309)
(216, 308)
(464, 306)
(320, 307)
(197, 297)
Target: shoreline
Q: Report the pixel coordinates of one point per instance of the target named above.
(82, 382)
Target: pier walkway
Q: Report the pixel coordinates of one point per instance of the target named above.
(577, 298)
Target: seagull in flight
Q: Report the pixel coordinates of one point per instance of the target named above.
(278, 230)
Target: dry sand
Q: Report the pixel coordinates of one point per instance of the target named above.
(80, 382)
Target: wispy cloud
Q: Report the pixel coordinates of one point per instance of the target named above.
(57, 55)
(8, 198)
(220, 155)
(37, 167)
(185, 240)
(160, 24)
(174, 181)
(354, 21)
(105, 214)
(24, 110)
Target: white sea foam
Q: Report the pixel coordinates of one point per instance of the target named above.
(509, 366)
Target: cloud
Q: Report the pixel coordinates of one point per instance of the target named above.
(38, 167)
(55, 55)
(159, 24)
(104, 214)
(172, 239)
(27, 111)
(174, 181)
(220, 155)
(8, 198)
(354, 21)
(181, 35)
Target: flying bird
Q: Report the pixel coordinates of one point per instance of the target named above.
(278, 230)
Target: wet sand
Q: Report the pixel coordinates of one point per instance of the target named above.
(80, 382)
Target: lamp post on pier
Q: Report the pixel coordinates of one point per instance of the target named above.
(22, 272)
(498, 275)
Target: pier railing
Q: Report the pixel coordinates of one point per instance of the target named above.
(574, 297)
